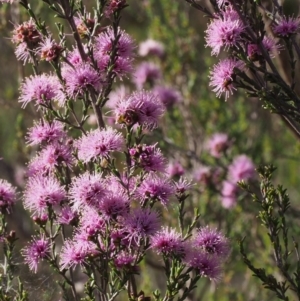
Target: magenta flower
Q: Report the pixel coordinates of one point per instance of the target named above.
(8, 196)
(45, 132)
(224, 32)
(175, 169)
(49, 158)
(217, 144)
(41, 89)
(271, 46)
(87, 190)
(114, 204)
(121, 67)
(38, 250)
(140, 224)
(75, 253)
(99, 144)
(74, 57)
(229, 194)
(168, 242)
(117, 96)
(66, 216)
(203, 174)
(42, 192)
(155, 188)
(148, 157)
(168, 96)
(80, 79)
(223, 76)
(140, 107)
(182, 186)
(124, 260)
(91, 223)
(146, 73)
(212, 241)
(104, 43)
(286, 27)
(205, 265)
(151, 47)
(242, 168)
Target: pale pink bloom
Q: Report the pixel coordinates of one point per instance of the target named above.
(140, 224)
(49, 50)
(241, 168)
(42, 192)
(80, 79)
(151, 47)
(223, 75)
(224, 32)
(38, 250)
(46, 132)
(211, 241)
(148, 157)
(146, 73)
(8, 196)
(155, 188)
(168, 242)
(99, 144)
(205, 265)
(42, 89)
(229, 194)
(217, 144)
(87, 190)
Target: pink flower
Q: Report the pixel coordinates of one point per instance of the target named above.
(42, 192)
(148, 157)
(155, 188)
(91, 223)
(42, 89)
(212, 241)
(229, 194)
(223, 76)
(52, 156)
(225, 31)
(99, 144)
(140, 107)
(38, 250)
(66, 216)
(8, 196)
(146, 73)
(121, 67)
(151, 47)
(87, 190)
(205, 264)
(114, 204)
(203, 175)
(168, 242)
(217, 144)
(242, 168)
(80, 79)
(105, 40)
(75, 253)
(175, 169)
(286, 27)
(26, 37)
(45, 132)
(168, 96)
(113, 6)
(49, 50)
(140, 224)
(182, 186)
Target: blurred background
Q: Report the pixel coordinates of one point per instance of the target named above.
(182, 135)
